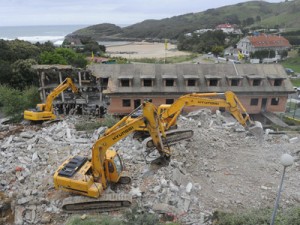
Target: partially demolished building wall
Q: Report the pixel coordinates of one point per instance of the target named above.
(91, 99)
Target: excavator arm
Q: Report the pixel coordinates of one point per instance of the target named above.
(122, 130)
(58, 90)
(231, 103)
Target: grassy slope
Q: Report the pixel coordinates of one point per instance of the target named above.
(284, 14)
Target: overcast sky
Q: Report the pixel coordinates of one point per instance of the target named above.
(90, 12)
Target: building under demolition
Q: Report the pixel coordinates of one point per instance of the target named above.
(91, 101)
(120, 88)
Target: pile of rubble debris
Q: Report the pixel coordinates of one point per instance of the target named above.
(223, 167)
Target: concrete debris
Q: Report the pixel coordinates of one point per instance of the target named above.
(165, 208)
(294, 140)
(19, 214)
(189, 187)
(135, 192)
(221, 167)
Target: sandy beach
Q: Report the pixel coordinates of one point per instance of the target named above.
(144, 50)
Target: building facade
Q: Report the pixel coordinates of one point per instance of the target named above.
(259, 87)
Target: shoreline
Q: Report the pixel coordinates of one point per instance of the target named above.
(143, 49)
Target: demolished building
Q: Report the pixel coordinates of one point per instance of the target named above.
(50, 76)
(120, 88)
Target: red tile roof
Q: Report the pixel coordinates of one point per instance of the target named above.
(226, 25)
(265, 40)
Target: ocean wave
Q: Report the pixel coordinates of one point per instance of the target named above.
(42, 39)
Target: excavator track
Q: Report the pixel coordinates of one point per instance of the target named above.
(172, 137)
(105, 203)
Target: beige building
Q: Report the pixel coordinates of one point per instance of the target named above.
(260, 87)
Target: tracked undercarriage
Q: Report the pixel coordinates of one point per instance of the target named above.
(107, 202)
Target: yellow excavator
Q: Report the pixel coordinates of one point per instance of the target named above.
(90, 177)
(44, 111)
(228, 101)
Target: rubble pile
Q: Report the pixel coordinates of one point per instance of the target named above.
(223, 167)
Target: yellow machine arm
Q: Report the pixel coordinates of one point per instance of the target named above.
(59, 89)
(122, 130)
(230, 103)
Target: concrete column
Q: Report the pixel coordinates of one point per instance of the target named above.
(62, 94)
(79, 79)
(99, 84)
(42, 77)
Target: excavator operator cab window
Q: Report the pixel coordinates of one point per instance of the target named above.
(39, 108)
(118, 164)
(111, 167)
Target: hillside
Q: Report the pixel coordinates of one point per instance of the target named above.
(253, 13)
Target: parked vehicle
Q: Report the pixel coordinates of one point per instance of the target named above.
(289, 71)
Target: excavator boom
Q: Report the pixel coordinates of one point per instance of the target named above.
(228, 100)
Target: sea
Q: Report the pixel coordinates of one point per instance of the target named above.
(44, 33)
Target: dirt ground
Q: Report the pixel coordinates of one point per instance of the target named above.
(144, 50)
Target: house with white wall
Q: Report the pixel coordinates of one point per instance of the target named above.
(263, 42)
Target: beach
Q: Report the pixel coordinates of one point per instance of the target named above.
(137, 50)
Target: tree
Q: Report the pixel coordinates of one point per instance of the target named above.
(5, 71)
(52, 58)
(263, 54)
(217, 49)
(22, 50)
(258, 18)
(23, 75)
(64, 56)
(14, 101)
(47, 46)
(202, 43)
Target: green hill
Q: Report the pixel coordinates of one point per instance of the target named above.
(254, 13)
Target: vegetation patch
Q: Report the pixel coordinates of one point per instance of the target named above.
(289, 216)
(134, 216)
(295, 82)
(107, 121)
(293, 61)
(167, 60)
(13, 102)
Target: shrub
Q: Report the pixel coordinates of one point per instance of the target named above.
(137, 216)
(14, 102)
(290, 216)
(93, 220)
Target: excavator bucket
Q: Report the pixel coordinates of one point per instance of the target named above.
(256, 129)
(172, 137)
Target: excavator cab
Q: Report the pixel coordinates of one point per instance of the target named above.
(40, 107)
(114, 168)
